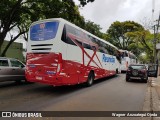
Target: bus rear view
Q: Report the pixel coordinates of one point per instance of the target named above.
(44, 59)
(128, 58)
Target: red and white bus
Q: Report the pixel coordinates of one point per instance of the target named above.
(127, 59)
(60, 53)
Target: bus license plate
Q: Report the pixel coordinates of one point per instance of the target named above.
(38, 78)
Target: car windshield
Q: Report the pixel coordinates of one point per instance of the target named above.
(137, 67)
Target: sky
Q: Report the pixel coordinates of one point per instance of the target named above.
(105, 12)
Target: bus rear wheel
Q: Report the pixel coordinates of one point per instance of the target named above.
(117, 71)
(90, 79)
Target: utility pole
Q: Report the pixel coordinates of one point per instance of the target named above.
(155, 39)
(153, 6)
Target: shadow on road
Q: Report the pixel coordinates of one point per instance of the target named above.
(13, 84)
(28, 88)
(136, 81)
(67, 89)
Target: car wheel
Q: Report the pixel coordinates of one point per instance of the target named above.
(127, 79)
(90, 79)
(145, 81)
(117, 71)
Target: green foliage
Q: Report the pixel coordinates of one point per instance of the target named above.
(143, 42)
(118, 33)
(93, 28)
(84, 2)
(132, 36)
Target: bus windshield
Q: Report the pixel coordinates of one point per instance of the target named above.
(43, 31)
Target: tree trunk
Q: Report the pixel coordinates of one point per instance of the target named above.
(1, 41)
(6, 48)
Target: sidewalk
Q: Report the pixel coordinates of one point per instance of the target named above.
(152, 99)
(155, 89)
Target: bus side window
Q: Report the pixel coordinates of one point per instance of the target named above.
(125, 54)
(93, 48)
(101, 50)
(110, 50)
(65, 38)
(118, 56)
(92, 39)
(122, 54)
(69, 41)
(114, 51)
(80, 43)
(86, 46)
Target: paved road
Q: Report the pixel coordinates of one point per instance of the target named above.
(112, 94)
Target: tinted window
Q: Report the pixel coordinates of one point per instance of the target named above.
(80, 43)
(93, 48)
(15, 63)
(67, 29)
(75, 36)
(4, 63)
(86, 46)
(43, 31)
(65, 38)
(117, 54)
(72, 35)
(110, 49)
(106, 48)
(124, 54)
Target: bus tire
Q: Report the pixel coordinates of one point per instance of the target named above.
(127, 79)
(90, 79)
(117, 71)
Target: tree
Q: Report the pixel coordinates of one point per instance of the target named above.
(84, 2)
(118, 33)
(20, 14)
(143, 43)
(93, 28)
(9, 17)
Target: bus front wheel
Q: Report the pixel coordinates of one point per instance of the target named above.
(90, 79)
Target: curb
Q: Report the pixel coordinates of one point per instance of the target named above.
(151, 101)
(147, 106)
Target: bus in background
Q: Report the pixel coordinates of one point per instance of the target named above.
(60, 53)
(127, 58)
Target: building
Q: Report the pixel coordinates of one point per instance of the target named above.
(14, 51)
